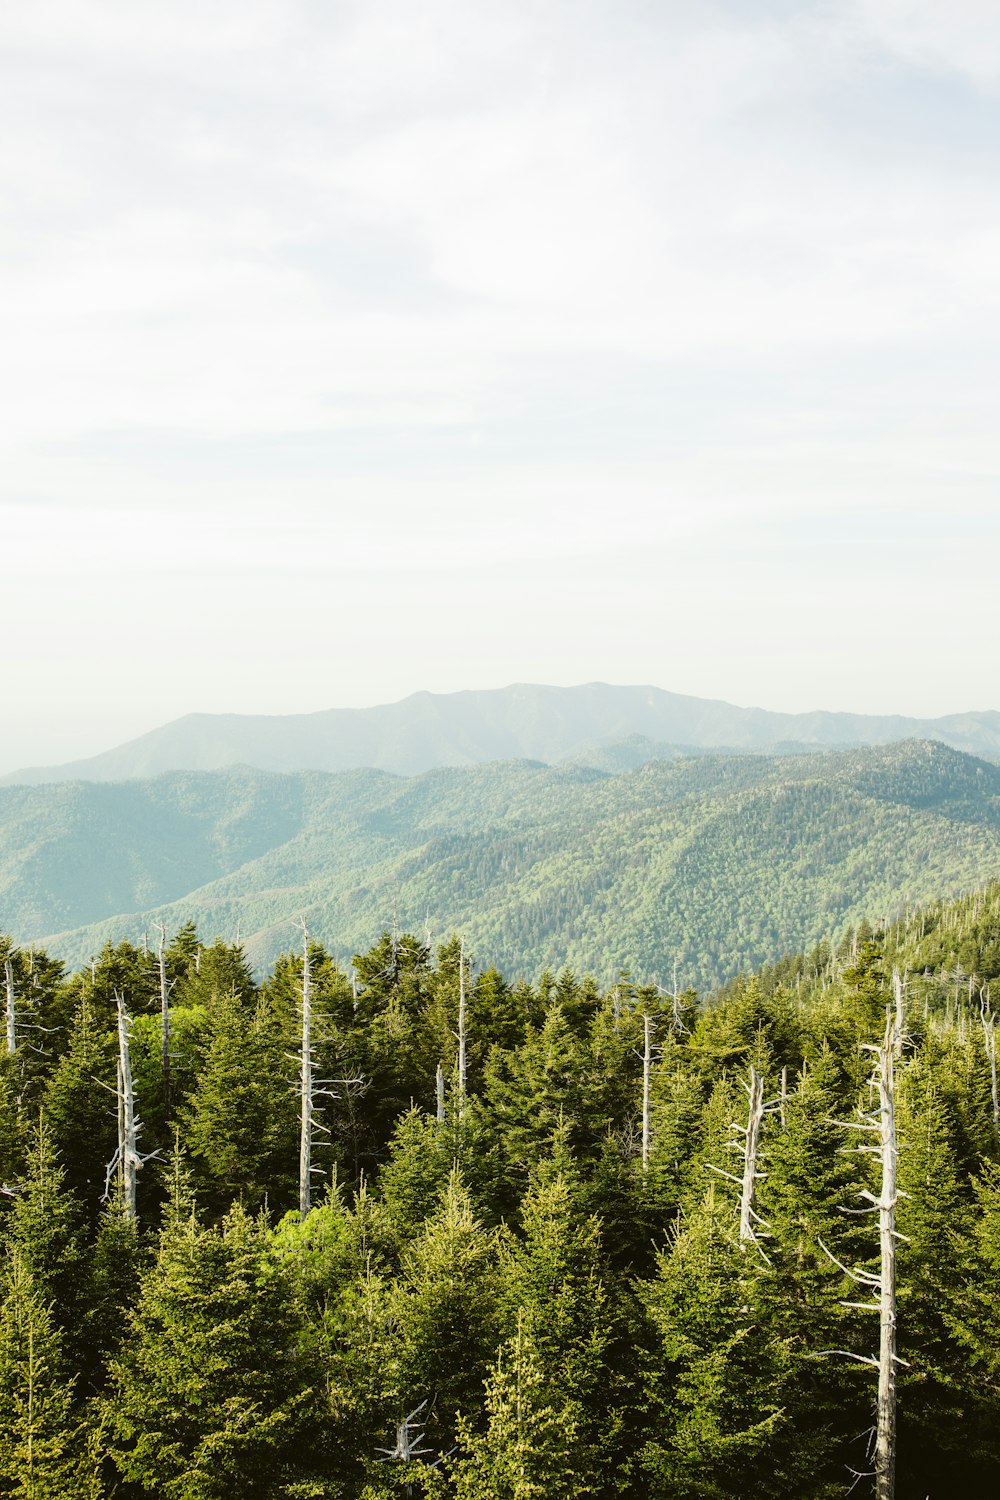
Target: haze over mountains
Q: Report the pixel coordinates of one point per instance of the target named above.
(611, 726)
(720, 862)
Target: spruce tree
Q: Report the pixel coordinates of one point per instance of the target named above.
(445, 1309)
(79, 1105)
(209, 1395)
(240, 1122)
(530, 1445)
(38, 1430)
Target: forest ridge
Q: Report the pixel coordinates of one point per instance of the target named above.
(526, 721)
(716, 862)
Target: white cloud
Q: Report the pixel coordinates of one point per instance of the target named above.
(962, 36)
(615, 292)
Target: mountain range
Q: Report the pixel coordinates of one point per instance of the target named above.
(612, 727)
(719, 862)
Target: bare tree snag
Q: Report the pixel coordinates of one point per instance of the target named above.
(751, 1222)
(883, 1125)
(305, 1085)
(462, 1058)
(885, 1433)
(677, 1008)
(989, 1041)
(899, 994)
(648, 1029)
(127, 1158)
(164, 1018)
(751, 1142)
(8, 970)
(439, 1093)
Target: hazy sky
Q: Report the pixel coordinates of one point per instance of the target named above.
(355, 348)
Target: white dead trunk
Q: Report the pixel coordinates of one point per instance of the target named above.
(647, 1064)
(749, 1148)
(305, 1086)
(439, 1093)
(129, 1160)
(462, 1059)
(8, 970)
(885, 1433)
(990, 1042)
(755, 1116)
(899, 992)
(164, 1019)
(882, 1284)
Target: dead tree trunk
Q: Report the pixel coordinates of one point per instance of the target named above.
(8, 970)
(164, 1020)
(899, 992)
(990, 1043)
(439, 1093)
(129, 1160)
(305, 1086)
(885, 1434)
(751, 1223)
(883, 1125)
(462, 1059)
(751, 1143)
(648, 1029)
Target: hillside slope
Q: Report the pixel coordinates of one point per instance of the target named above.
(719, 862)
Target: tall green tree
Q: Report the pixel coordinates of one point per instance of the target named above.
(39, 1458)
(240, 1123)
(209, 1396)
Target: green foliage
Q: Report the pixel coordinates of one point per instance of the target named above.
(722, 862)
(559, 1318)
(209, 1394)
(240, 1121)
(37, 1426)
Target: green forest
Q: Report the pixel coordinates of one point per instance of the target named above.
(404, 1227)
(719, 861)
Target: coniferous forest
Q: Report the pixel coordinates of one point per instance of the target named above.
(415, 1228)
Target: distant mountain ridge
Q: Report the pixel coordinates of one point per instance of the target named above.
(524, 721)
(719, 862)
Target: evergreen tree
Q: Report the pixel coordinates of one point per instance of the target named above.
(530, 1447)
(209, 1395)
(446, 1313)
(720, 1378)
(79, 1105)
(44, 1231)
(240, 1122)
(37, 1426)
(553, 1294)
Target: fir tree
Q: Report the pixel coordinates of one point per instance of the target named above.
(208, 1393)
(37, 1426)
(530, 1446)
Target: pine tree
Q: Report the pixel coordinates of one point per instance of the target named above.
(79, 1106)
(530, 1447)
(209, 1395)
(719, 1378)
(240, 1122)
(44, 1229)
(446, 1312)
(936, 1217)
(552, 1291)
(37, 1426)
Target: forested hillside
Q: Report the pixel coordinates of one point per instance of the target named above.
(340, 1233)
(718, 863)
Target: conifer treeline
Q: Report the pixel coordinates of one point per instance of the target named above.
(493, 1295)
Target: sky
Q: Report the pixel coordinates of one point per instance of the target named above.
(367, 346)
